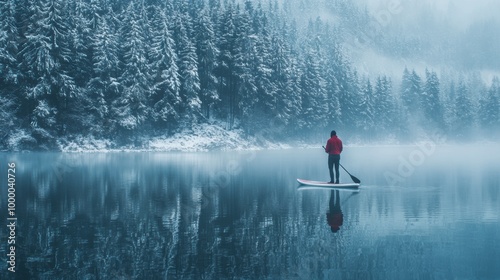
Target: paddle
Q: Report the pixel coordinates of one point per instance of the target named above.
(353, 178)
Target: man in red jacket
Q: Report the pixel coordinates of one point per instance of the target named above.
(333, 149)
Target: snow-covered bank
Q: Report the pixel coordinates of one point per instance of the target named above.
(200, 138)
(215, 137)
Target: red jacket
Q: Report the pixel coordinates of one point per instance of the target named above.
(334, 146)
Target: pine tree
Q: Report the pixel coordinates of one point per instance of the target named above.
(384, 106)
(9, 71)
(247, 66)
(9, 35)
(314, 95)
(411, 101)
(262, 69)
(448, 105)
(103, 88)
(462, 111)
(79, 39)
(489, 113)
(366, 120)
(80, 69)
(207, 53)
(45, 58)
(288, 91)
(335, 72)
(228, 67)
(130, 108)
(431, 103)
(348, 94)
(166, 99)
(411, 91)
(215, 9)
(187, 61)
(8, 125)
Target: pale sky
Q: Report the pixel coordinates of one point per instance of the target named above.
(460, 13)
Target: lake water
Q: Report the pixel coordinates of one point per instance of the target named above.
(422, 212)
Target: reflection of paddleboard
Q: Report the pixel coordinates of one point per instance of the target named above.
(328, 185)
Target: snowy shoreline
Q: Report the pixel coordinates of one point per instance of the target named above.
(229, 141)
(198, 139)
(214, 137)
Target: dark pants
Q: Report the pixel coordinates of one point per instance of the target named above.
(334, 160)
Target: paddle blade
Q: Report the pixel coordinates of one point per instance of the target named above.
(355, 180)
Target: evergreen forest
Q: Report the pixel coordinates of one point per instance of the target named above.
(131, 70)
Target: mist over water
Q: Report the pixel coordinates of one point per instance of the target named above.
(222, 215)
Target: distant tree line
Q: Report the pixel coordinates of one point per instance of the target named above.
(130, 70)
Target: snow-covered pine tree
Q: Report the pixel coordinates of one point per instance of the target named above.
(333, 69)
(247, 63)
(79, 42)
(266, 106)
(348, 89)
(9, 71)
(366, 120)
(350, 101)
(9, 38)
(448, 105)
(63, 84)
(431, 102)
(8, 125)
(410, 91)
(187, 62)
(416, 91)
(384, 106)
(333, 87)
(166, 99)
(489, 109)
(103, 88)
(314, 95)
(288, 92)
(80, 68)
(191, 7)
(130, 108)
(228, 62)
(411, 99)
(463, 117)
(45, 58)
(215, 8)
(207, 53)
(287, 75)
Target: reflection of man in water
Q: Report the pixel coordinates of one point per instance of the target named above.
(334, 216)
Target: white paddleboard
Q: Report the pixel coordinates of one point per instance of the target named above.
(328, 185)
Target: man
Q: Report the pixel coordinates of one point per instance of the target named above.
(333, 149)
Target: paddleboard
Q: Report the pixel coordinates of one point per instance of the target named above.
(328, 185)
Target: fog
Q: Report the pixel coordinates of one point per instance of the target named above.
(438, 34)
(385, 36)
(459, 14)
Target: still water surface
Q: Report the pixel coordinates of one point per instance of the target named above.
(421, 213)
